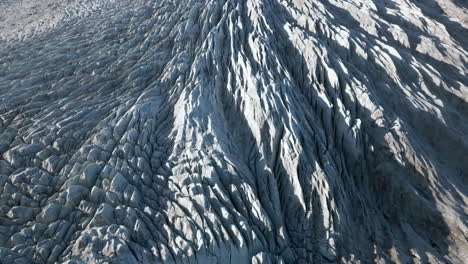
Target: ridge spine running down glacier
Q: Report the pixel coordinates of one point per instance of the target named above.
(233, 131)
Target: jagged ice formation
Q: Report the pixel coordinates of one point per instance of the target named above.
(233, 131)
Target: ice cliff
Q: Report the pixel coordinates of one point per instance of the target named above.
(234, 131)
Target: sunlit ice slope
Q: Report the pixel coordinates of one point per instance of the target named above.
(224, 131)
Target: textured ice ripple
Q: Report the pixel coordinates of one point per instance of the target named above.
(224, 131)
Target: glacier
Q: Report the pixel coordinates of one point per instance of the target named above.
(233, 131)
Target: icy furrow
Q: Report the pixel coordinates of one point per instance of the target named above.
(233, 131)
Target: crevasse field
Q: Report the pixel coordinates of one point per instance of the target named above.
(233, 131)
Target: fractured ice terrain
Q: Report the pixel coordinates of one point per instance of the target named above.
(234, 131)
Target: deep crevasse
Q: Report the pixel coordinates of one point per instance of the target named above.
(234, 131)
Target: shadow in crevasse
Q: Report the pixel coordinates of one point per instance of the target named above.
(460, 3)
(452, 123)
(414, 35)
(399, 197)
(432, 9)
(255, 155)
